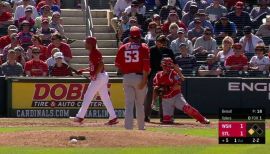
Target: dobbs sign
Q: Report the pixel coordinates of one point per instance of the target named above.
(35, 98)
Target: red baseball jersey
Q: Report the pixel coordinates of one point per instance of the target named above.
(64, 70)
(95, 58)
(171, 79)
(133, 58)
(233, 60)
(64, 48)
(36, 68)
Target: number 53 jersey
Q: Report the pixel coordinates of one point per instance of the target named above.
(133, 58)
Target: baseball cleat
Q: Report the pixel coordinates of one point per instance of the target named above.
(112, 122)
(76, 119)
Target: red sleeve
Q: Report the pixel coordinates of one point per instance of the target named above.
(245, 60)
(228, 62)
(181, 24)
(66, 50)
(165, 28)
(156, 79)
(146, 59)
(119, 57)
(50, 47)
(27, 66)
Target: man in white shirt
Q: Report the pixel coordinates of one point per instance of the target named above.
(250, 41)
(119, 8)
(20, 10)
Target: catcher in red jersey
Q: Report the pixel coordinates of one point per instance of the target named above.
(133, 61)
(99, 82)
(168, 83)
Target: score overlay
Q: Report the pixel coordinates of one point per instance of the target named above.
(241, 126)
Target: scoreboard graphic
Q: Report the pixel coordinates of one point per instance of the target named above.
(241, 126)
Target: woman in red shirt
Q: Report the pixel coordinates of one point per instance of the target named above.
(173, 17)
(37, 42)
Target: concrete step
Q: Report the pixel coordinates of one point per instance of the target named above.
(75, 28)
(84, 59)
(100, 21)
(84, 52)
(102, 29)
(77, 44)
(77, 36)
(99, 13)
(73, 21)
(105, 36)
(107, 44)
(71, 13)
(108, 67)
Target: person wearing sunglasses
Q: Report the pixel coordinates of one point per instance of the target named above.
(36, 67)
(259, 62)
(205, 44)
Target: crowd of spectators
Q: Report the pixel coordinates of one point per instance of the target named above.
(207, 37)
(32, 39)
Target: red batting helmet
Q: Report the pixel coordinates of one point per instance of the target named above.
(135, 32)
(167, 63)
(91, 40)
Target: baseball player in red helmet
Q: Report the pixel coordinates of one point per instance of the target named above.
(168, 84)
(99, 81)
(133, 61)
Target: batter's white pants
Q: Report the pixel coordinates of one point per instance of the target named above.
(99, 85)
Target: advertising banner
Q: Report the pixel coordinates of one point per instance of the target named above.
(55, 98)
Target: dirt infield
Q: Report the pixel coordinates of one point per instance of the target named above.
(102, 136)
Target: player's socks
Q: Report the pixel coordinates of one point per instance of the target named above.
(192, 112)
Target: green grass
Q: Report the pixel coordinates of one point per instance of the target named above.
(202, 132)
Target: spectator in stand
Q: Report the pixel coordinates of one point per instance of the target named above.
(136, 9)
(20, 2)
(20, 55)
(216, 10)
(60, 68)
(37, 42)
(119, 8)
(28, 16)
(197, 31)
(259, 62)
(182, 4)
(63, 47)
(14, 42)
(157, 53)
(151, 35)
(260, 10)
(239, 17)
(173, 32)
(249, 41)
(6, 18)
(45, 13)
(205, 44)
(227, 50)
(20, 10)
(238, 61)
(224, 27)
(51, 60)
(56, 24)
(181, 39)
(132, 22)
(203, 17)
(189, 16)
(156, 19)
(24, 36)
(229, 4)
(264, 29)
(202, 4)
(46, 32)
(11, 67)
(211, 68)
(5, 40)
(36, 67)
(50, 3)
(123, 25)
(173, 17)
(165, 10)
(186, 61)
(150, 4)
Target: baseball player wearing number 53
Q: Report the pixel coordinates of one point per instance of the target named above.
(169, 79)
(133, 61)
(99, 82)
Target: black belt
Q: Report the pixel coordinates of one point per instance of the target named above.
(139, 73)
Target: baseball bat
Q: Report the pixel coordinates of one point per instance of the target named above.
(76, 72)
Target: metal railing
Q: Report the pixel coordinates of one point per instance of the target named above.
(88, 17)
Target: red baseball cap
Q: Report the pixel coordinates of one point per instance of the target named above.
(91, 40)
(239, 5)
(135, 32)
